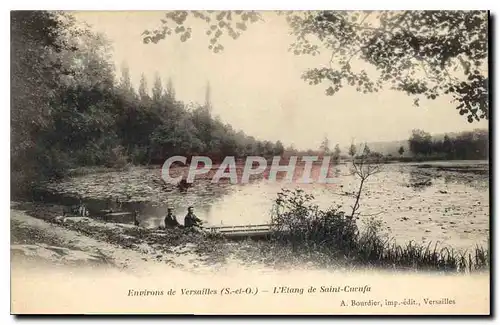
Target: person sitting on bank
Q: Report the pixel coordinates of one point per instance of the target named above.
(191, 220)
(170, 219)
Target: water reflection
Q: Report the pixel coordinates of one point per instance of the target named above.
(422, 177)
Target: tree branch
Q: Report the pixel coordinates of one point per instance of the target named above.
(344, 43)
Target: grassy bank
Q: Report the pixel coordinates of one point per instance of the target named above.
(314, 239)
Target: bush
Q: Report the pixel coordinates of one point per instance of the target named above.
(303, 225)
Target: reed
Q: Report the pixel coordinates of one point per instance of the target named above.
(303, 226)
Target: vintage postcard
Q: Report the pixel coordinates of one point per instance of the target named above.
(250, 162)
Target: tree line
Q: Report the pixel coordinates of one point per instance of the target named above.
(464, 145)
(69, 109)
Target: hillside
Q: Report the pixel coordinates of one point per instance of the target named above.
(392, 147)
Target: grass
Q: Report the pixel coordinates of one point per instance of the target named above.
(423, 257)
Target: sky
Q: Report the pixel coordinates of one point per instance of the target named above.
(256, 84)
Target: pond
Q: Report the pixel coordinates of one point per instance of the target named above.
(445, 202)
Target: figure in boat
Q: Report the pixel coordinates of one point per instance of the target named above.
(183, 185)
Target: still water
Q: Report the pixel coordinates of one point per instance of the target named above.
(446, 202)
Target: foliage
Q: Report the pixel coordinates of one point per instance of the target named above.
(38, 66)
(352, 150)
(68, 111)
(428, 53)
(303, 225)
(220, 23)
(464, 145)
(336, 152)
(325, 146)
(421, 53)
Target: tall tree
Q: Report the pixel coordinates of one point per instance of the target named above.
(157, 88)
(401, 150)
(420, 142)
(278, 148)
(447, 146)
(38, 70)
(170, 89)
(125, 79)
(366, 150)
(325, 146)
(336, 152)
(352, 150)
(208, 97)
(143, 88)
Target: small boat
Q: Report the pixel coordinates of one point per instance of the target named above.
(256, 232)
(119, 216)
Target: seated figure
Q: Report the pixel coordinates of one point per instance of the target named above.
(191, 220)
